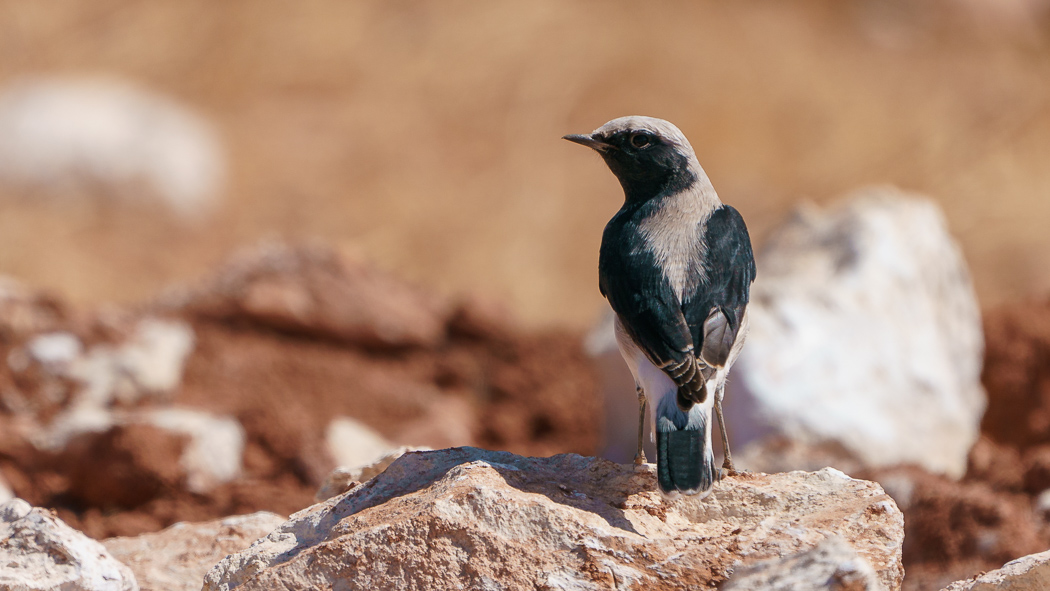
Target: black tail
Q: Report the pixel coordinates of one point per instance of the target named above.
(684, 462)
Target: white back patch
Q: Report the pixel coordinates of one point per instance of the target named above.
(674, 235)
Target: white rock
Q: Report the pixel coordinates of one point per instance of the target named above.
(178, 557)
(865, 338)
(215, 451)
(156, 354)
(59, 133)
(75, 421)
(1028, 573)
(1042, 504)
(56, 349)
(352, 443)
(830, 566)
(150, 362)
(6, 494)
(40, 552)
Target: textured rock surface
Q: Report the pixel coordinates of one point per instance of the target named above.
(865, 339)
(831, 566)
(467, 517)
(176, 558)
(1029, 573)
(38, 551)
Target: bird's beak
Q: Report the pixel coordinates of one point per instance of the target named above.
(587, 140)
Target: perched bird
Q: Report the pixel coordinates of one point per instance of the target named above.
(676, 266)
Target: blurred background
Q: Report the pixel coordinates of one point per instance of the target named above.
(301, 235)
(427, 137)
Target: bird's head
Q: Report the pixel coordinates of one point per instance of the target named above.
(649, 156)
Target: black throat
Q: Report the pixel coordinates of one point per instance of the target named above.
(644, 183)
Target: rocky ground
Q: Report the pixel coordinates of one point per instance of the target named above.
(284, 340)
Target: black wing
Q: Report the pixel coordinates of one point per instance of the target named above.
(647, 305)
(715, 310)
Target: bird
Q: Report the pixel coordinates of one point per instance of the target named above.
(676, 266)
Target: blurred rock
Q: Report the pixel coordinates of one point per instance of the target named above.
(865, 335)
(315, 291)
(177, 558)
(104, 135)
(449, 421)
(5, 490)
(24, 312)
(473, 518)
(150, 362)
(40, 552)
(1041, 504)
(352, 443)
(832, 566)
(215, 448)
(344, 478)
(55, 350)
(144, 452)
(1029, 573)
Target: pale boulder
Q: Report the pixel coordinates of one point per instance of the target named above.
(865, 342)
(6, 494)
(40, 552)
(471, 518)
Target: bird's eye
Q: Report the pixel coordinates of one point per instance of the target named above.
(641, 140)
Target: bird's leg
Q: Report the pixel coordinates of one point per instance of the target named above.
(727, 463)
(639, 458)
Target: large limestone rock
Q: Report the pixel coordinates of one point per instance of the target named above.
(1028, 573)
(40, 552)
(470, 518)
(176, 558)
(865, 343)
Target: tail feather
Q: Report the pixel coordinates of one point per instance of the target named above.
(684, 459)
